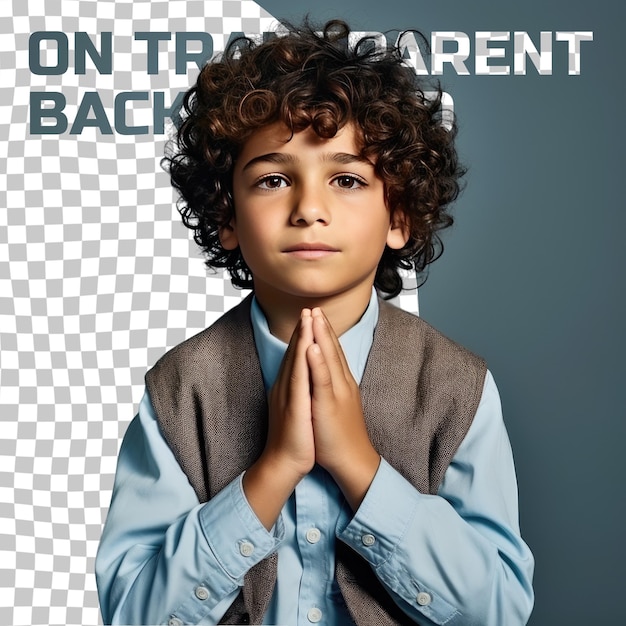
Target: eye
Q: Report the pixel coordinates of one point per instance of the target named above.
(272, 181)
(349, 181)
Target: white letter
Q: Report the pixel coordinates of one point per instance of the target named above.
(573, 48)
(377, 39)
(484, 52)
(456, 58)
(410, 51)
(446, 107)
(523, 45)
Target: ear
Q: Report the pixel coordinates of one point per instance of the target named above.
(399, 231)
(228, 236)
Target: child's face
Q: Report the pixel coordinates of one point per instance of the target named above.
(310, 215)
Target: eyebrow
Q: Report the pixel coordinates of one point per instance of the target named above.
(280, 158)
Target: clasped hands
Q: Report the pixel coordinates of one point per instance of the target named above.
(315, 416)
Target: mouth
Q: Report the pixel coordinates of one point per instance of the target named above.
(310, 250)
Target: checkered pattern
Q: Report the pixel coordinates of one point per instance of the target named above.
(574, 40)
(524, 48)
(97, 279)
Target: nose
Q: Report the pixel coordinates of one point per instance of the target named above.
(309, 206)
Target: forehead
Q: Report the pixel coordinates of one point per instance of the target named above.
(278, 139)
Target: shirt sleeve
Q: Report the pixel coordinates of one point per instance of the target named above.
(164, 557)
(457, 557)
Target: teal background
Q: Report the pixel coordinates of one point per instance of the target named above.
(532, 277)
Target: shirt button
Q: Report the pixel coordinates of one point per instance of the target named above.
(424, 599)
(174, 621)
(313, 535)
(368, 540)
(314, 615)
(202, 593)
(246, 548)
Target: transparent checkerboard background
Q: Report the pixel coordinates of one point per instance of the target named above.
(98, 278)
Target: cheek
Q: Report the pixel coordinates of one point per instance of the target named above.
(375, 232)
(255, 236)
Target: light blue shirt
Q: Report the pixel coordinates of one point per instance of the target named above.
(453, 558)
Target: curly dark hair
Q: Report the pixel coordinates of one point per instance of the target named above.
(315, 79)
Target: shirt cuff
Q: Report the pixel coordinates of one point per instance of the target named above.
(234, 533)
(383, 517)
(377, 531)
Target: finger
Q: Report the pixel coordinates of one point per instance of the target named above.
(327, 340)
(302, 332)
(288, 357)
(306, 327)
(320, 374)
(333, 335)
(347, 371)
(299, 366)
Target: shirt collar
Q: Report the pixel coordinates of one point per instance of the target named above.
(356, 342)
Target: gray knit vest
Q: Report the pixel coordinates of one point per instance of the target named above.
(420, 392)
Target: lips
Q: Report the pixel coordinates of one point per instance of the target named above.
(310, 251)
(323, 247)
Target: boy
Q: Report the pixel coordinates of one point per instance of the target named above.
(259, 483)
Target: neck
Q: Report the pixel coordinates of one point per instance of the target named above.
(282, 314)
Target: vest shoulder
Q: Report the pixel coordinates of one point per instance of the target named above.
(193, 353)
(434, 343)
